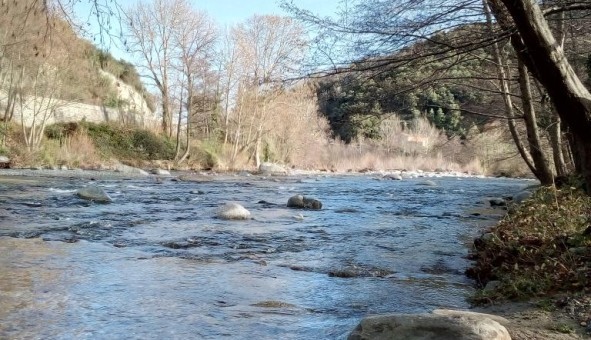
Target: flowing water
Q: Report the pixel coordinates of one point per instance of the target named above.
(156, 263)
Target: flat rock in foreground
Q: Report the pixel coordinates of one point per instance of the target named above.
(450, 325)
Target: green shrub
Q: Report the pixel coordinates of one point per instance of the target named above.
(129, 144)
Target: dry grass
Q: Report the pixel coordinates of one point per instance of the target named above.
(78, 150)
(541, 247)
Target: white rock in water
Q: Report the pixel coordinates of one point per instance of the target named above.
(94, 194)
(233, 211)
(126, 169)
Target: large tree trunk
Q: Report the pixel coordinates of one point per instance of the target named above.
(544, 57)
(543, 170)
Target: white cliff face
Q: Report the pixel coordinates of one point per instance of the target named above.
(42, 110)
(128, 94)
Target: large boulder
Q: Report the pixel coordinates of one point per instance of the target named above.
(95, 194)
(233, 211)
(303, 202)
(441, 325)
(272, 169)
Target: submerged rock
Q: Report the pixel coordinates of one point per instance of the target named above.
(303, 202)
(441, 325)
(233, 211)
(395, 177)
(273, 304)
(497, 202)
(428, 183)
(93, 193)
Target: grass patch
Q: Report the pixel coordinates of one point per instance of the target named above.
(542, 247)
(116, 141)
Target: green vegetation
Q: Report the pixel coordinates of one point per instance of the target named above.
(118, 142)
(540, 248)
(356, 103)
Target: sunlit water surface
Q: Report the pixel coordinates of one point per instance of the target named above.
(156, 263)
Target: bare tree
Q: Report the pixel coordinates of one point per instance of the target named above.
(194, 39)
(151, 25)
(37, 102)
(271, 49)
(379, 32)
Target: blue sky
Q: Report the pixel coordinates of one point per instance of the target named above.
(225, 12)
(234, 11)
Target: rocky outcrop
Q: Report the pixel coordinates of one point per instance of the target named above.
(233, 211)
(440, 325)
(95, 194)
(303, 202)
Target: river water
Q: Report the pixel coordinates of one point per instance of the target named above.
(156, 263)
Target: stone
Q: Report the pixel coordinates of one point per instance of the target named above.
(491, 285)
(522, 196)
(4, 162)
(160, 172)
(126, 169)
(233, 211)
(302, 202)
(95, 194)
(64, 168)
(395, 177)
(428, 183)
(272, 169)
(445, 325)
(497, 202)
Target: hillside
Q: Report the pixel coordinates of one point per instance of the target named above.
(41, 49)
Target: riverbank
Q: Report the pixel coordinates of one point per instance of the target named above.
(534, 266)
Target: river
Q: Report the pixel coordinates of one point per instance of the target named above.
(156, 263)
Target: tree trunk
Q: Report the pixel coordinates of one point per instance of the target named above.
(546, 60)
(165, 112)
(543, 170)
(555, 135)
(177, 151)
(189, 110)
(506, 93)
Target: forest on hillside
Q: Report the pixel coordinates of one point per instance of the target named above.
(399, 84)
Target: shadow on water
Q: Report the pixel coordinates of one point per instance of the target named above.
(156, 262)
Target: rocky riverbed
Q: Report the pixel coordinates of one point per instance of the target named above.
(158, 262)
